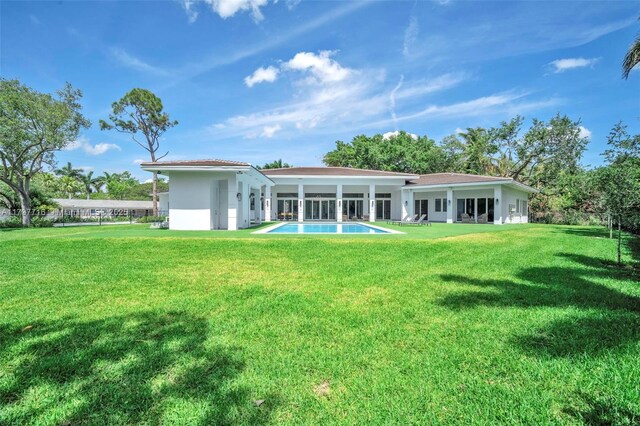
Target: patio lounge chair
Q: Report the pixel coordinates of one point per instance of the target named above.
(407, 219)
(465, 218)
(421, 221)
(482, 218)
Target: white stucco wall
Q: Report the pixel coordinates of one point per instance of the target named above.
(163, 203)
(510, 197)
(190, 201)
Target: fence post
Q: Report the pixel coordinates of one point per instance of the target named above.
(100, 219)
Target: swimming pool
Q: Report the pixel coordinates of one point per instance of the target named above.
(326, 228)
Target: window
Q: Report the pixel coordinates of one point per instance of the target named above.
(287, 195)
(441, 205)
(319, 195)
(382, 195)
(352, 195)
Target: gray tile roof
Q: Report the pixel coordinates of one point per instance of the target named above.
(331, 171)
(455, 178)
(202, 163)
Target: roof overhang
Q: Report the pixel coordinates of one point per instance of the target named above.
(250, 170)
(407, 177)
(470, 185)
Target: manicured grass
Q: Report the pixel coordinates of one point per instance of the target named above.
(456, 324)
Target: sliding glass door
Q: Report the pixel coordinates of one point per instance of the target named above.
(288, 209)
(476, 208)
(319, 209)
(352, 209)
(383, 209)
(421, 207)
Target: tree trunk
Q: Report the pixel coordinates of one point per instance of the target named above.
(155, 194)
(25, 207)
(619, 243)
(610, 227)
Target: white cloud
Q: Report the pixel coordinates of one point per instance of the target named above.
(268, 74)
(585, 133)
(562, 65)
(87, 168)
(410, 36)
(330, 98)
(391, 135)
(269, 131)
(320, 65)
(100, 148)
(459, 130)
(138, 161)
(130, 61)
(226, 8)
(97, 149)
(188, 6)
(392, 99)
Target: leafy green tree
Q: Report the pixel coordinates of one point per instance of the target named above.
(632, 58)
(69, 186)
(277, 164)
(40, 198)
(118, 184)
(620, 180)
(87, 181)
(142, 191)
(478, 151)
(400, 153)
(33, 126)
(69, 170)
(141, 112)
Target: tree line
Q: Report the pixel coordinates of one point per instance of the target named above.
(34, 126)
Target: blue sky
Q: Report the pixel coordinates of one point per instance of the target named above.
(257, 80)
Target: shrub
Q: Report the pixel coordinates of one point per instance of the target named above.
(150, 219)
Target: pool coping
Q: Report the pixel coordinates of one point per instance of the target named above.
(267, 230)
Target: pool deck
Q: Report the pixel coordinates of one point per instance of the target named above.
(386, 231)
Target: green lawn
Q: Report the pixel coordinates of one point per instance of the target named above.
(456, 324)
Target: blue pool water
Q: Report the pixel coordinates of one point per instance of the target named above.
(326, 228)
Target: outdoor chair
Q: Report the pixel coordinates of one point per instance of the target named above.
(420, 221)
(407, 219)
(466, 218)
(482, 218)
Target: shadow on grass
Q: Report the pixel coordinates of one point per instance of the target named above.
(142, 368)
(611, 319)
(603, 411)
(631, 243)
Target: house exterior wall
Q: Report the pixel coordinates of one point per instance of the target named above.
(510, 211)
(330, 185)
(190, 201)
(163, 203)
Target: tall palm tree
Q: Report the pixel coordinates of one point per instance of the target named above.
(87, 182)
(478, 151)
(632, 58)
(69, 171)
(69, 186)
(98, 183)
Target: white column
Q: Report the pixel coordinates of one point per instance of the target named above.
(404, 201)
(497, 205)
(450, 205)
(232, 204)
(259, 204)
(339, 202)
(300, 202)
(267, 203)
(246, 206)
(372, 203)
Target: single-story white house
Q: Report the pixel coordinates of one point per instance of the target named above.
(220, 194)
